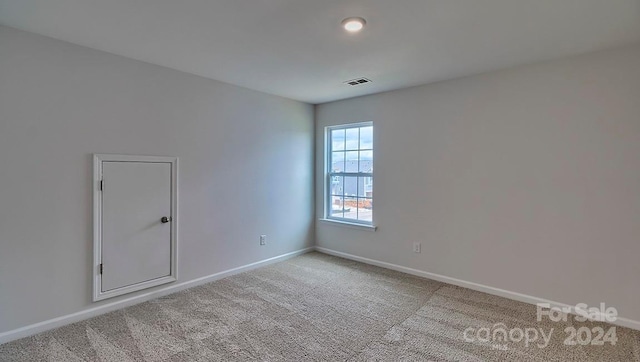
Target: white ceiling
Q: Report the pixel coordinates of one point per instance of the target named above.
(296, 48)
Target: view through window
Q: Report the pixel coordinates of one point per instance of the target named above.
(350, 173)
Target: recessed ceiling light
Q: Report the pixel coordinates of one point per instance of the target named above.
(353, 25)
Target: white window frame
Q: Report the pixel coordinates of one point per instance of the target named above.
(328, 175)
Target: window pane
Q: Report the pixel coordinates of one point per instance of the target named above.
(366, 137)
(336, 185)
(350, 186)
(365, 210)
(337, 140)
(337, 203)
(365, 187)
(366, 161)
(337, 196)
(337, 162)
(352, 140)
(351, 161)
(350, 197)
(350, 208)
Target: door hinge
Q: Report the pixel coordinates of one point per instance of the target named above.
(101, 268)
(101, 185)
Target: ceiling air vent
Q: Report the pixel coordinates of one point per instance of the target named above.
(359, 81)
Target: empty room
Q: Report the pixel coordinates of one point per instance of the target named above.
(319, 180)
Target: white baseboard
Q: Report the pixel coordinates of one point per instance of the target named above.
(105, 308)
(620, 321)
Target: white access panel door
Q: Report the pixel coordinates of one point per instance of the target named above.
(137, 224)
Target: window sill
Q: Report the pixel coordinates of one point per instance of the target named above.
(347, 224)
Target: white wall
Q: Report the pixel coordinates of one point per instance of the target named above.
(526, 179)
(245, 167)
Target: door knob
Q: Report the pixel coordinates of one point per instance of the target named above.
(165, 219)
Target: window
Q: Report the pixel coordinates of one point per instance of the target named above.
(349, 178)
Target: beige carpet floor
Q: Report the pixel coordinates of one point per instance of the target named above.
(317, 307)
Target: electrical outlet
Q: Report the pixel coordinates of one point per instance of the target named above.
(263, 240)
(417, 247)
